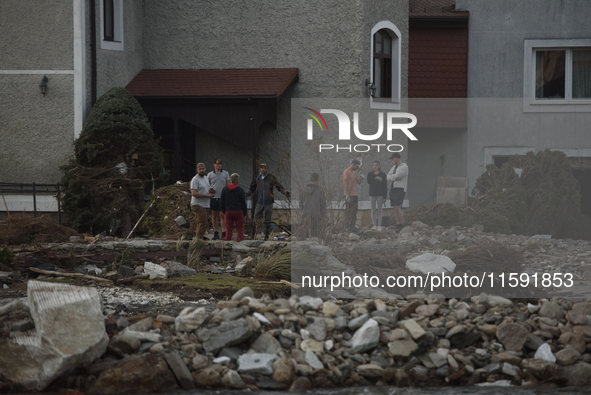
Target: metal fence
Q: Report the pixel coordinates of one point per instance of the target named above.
(34, 189)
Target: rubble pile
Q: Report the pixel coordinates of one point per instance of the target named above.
(24, 229)
(306, 342)
(530, 194)
(169, 211)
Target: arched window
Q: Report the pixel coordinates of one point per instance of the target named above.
(385, 65)
(382, 63)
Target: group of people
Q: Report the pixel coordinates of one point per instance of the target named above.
(313, 201)
(378, 191)
(221, 193)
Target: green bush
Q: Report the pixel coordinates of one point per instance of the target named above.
(99, 196)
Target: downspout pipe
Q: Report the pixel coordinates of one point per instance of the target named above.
(93, 83)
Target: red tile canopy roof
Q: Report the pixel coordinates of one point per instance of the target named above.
(435, 8)
(212, 83)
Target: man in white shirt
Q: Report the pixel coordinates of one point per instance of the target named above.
(218, 179)
(398, 176)
(201, 193)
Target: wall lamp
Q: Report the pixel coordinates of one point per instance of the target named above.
(372, 87)
(43, 85)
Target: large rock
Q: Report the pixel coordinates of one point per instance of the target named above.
(366, 338)
(242, 293)
(513, 336)
(414, 329)
(370, 371)
(233, 380)
(575, 340)
(190, 319)
(266, 344)
(578, 374)
(138, 374)
(545, 353)
(567, 356)
(311, 345)
(551, 310)
(226, 335)
(178, 269)
(313, 361)
(431, 263)
(540, 369)
(209, 377)
(283, 370)
(228, 314)
(256, 363)
(180, 370)
(155, 271)
(310, 302)
(69, 333)
(492, 300)
(402, 348)
(317, 329)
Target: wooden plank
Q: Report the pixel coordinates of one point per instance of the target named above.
(74, 275)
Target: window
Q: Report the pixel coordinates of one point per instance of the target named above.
(557, 75)
(109, 33)
(563, 74)
(382, 63)
(112, 24)
(385, 66)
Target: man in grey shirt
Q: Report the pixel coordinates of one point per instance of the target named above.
(201, 193)
(218, 179)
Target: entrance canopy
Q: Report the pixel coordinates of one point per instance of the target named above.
(232, 104)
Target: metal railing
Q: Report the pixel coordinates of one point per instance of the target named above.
(35, 189)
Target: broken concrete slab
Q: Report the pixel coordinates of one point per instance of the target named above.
(155, 271)
(70, 332)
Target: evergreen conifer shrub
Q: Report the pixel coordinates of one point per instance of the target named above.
(116, 163)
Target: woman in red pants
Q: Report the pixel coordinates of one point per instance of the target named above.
(233, 205)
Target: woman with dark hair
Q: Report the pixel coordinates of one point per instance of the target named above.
(378, 190)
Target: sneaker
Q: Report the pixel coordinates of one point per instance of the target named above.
(223, 235)
(379, 229)
(374, 228)
(399, 227)
(216, 236)
(266, 237)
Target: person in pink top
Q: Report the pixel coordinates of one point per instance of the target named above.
(350, 182)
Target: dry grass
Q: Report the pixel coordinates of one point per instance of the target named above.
(285, 265)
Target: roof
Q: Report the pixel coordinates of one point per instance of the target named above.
(212, 83)
(435, 8)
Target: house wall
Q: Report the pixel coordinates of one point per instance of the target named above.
(36, 131)
(328, 41)
(497, 122)
(437, 153)
(438, 68)
(117, 68)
